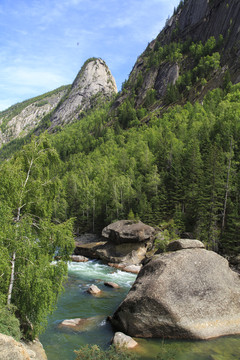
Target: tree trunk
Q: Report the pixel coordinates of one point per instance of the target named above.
(11, 279)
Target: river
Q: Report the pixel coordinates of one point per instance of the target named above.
(75, 302)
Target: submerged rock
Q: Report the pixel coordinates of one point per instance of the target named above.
(190, 293)
(79, 324)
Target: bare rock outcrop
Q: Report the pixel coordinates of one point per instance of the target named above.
(93, 81)
(11, 349)
(195, 21)
(16, 126)
(190, 293)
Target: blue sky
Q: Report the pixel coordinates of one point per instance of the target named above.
(44, 43)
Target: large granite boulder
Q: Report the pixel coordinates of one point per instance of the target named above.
(128, 231)
(189, 293)
(124, 241)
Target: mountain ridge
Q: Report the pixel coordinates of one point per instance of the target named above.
(169, 57)
(94, 83)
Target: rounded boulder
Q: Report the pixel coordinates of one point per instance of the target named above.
(189, 294)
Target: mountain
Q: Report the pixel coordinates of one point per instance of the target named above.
(20, 119)
(93, 84)
(196, 51)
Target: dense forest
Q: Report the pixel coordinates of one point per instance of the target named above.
(177, 171)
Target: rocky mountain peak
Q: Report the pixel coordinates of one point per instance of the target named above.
(94, 81)
(171, 58)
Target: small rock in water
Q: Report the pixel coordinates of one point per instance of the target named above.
(93, 290)
(134, 269)
(78, 258)
(122, 340)
(71, 322)
(79, 324)
(111, 284)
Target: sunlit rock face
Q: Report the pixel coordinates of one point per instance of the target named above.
(11, 349)
(94, 82)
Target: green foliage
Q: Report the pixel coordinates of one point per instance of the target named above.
(9, 324)
(206, 65)
(126, 114)
(131, 215)
(42, 103)
(94, 352)
(227, 81)
(169, 232)
(28, 236)
(172, 94)
(150, 98)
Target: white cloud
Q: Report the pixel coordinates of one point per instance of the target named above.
(33, 77)
(4, 104)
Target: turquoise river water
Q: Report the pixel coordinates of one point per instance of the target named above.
(75, 302)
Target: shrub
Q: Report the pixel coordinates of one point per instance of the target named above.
(88, 352)
(9, 324)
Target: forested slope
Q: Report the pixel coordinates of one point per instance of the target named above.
(180, 170)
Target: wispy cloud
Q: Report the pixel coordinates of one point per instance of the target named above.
(33, 77)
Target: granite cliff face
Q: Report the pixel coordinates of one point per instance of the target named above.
(193, 21)
(94, 82)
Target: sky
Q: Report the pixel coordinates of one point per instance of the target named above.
(44, 43)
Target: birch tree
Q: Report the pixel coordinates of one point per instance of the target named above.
(27, 190)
